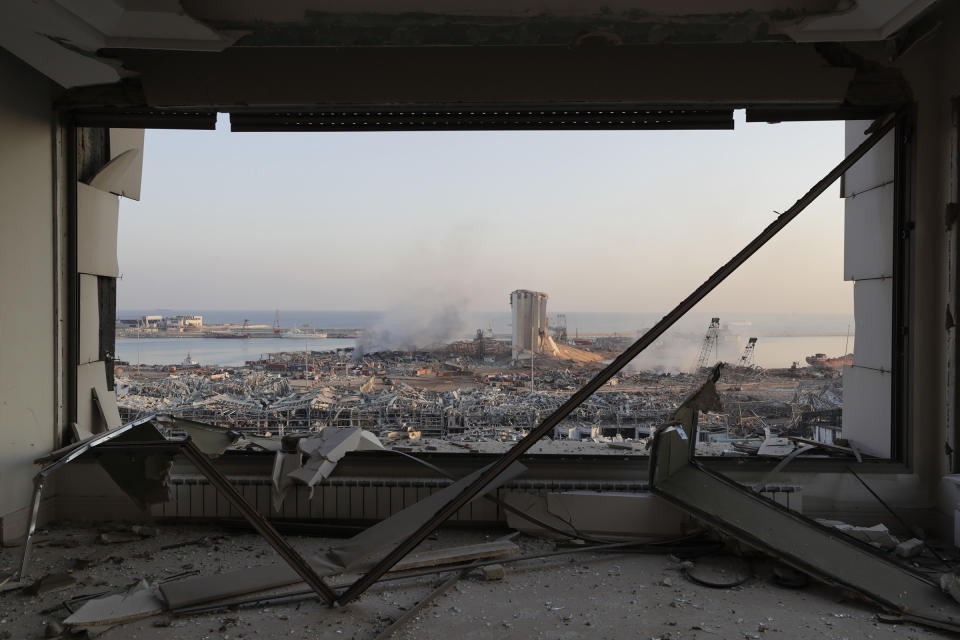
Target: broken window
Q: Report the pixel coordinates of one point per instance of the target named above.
(834, 397)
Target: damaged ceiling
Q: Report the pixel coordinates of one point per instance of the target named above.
(216, 53)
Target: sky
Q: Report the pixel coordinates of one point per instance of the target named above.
(627, 221)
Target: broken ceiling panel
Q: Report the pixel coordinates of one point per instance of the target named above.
(52, 41)
(62, 38)
(147, 24)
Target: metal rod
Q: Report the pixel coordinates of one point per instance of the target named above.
(38, 481)
(660, 546)
(261, 524)
(442, 588)
(614, 367)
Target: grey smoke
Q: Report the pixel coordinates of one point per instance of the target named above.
(674, 352)
(424, 322)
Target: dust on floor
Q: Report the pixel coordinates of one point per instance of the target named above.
(613, 595)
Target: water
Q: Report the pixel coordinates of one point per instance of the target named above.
(770, 352)
(471, 320)
(217, 351)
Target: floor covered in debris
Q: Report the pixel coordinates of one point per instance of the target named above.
(616, 593)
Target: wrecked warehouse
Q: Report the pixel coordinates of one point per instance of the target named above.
(84, 82)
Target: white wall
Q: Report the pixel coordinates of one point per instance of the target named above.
(27, 389)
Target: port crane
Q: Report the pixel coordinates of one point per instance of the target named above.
(711, 344)
(746, 358)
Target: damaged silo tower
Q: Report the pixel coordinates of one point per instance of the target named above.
(529, 311)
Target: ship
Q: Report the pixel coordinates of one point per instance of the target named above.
(301, 334)
(243, 335)
(821, 361)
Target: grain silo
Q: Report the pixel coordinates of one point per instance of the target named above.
(529, 311)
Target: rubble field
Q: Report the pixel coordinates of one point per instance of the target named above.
(614, 594)
(440, 401)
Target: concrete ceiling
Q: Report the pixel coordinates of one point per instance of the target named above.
(80, 43)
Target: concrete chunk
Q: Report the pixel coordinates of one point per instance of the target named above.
(492, 572)
(909, 548)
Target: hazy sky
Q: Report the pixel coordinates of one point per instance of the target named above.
(602, 221)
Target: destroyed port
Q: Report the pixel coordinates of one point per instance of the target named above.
(484, 393)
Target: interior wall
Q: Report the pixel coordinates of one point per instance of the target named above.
(936, 84)
(27, 284)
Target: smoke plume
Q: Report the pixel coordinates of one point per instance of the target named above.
(670, 353)
(424, 322)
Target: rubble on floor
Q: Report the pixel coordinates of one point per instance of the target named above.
(615, 593)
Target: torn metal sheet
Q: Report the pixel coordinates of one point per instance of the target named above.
(267, 443)
(327, 449)
(491, 473)
(211, 439)
(788, 536)
(704, 399)
(284, 463)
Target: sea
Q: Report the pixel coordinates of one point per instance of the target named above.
(782, 338)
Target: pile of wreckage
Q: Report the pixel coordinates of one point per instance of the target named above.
(262, 403)
(263, 407)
